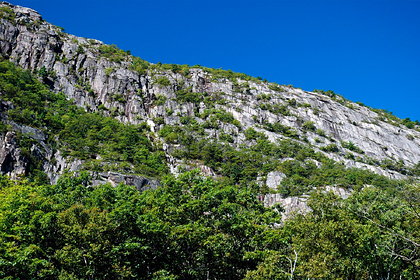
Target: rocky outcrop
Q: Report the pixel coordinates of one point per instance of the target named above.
(12, 162)
(292, 205)
(77, 67)
(274, 179)
(141, 183)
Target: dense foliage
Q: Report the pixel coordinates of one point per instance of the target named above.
(195, 228)
(82, 134)
(244, 164)
(190, 227)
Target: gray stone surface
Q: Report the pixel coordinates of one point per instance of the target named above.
(12, 162)
(207, 171)
(290, 204)
(44, 45)
(274, 179)
(298, 204)
(141, 183)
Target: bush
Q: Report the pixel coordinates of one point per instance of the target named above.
(108, 71)
(329, 93)
(309, 125)
(160, 99)
(351, 146)
(224, 137)
(275, 87)
(252, 134)
(159, 120)
(275, 108)
(42, 72)
(80, 50)
(139, 65)
(408, 123)
(320, 132)
(7, 13)
(292, 102)
(163, 81)
(186, 95)
(283, 129)
(330, 148)
(112, 52)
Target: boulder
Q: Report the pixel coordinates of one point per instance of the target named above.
(114, 178)
(274, 179)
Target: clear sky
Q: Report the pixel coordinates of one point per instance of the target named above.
(367, 51)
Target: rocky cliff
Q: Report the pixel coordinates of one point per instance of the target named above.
(102, 78)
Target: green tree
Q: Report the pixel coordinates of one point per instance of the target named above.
(190, 228)
(210, 226)
(336, 240)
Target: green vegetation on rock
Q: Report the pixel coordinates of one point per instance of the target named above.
(82, 135)
(190, 227)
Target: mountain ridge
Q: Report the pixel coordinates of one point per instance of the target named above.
(115, 168)
(103, 78)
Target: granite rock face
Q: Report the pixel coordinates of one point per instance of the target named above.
(290, 205)
(12, 162)
(114, 179)
(274, 179)
(293, 205)
(77, 67)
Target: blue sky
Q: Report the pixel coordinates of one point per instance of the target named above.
(367, 51)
